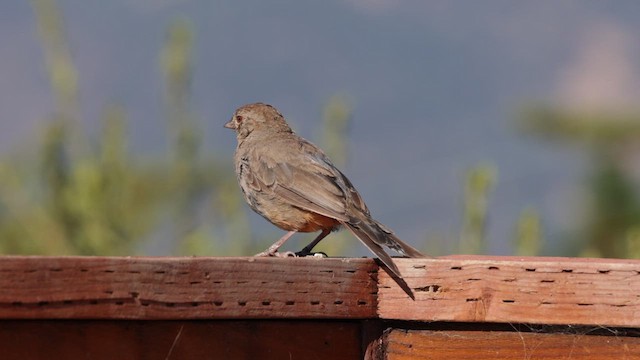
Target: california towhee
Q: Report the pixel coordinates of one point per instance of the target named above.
(294, 185)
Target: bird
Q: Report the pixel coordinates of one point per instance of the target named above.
(294, 185)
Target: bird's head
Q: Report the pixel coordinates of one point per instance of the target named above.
(257, 117)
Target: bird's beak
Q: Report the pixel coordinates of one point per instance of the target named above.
(230, 125)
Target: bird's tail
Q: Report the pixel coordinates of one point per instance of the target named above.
(375, 235)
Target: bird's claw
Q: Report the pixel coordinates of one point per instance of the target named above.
(286, 254)
(304, 253)
(276, 254)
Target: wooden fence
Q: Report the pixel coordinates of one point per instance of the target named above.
(457, 307)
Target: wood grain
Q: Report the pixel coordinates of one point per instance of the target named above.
(534, 290)
(317, 308)
(481, 345)
(186, 288)
(457, 289)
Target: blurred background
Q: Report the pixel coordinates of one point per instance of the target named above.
(491, 127)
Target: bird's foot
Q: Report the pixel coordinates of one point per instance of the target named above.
(303, 253)
(268, 253)
(286, 254)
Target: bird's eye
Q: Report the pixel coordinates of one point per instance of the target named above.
(239, 118)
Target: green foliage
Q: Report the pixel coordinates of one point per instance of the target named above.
(81, 195)
(610, 229)
(615, 208)
(336, 118)
(587, 127)
(62, 73)
(479, 184)
(81, 199)
(528, 239)
(188, 178)
(632, 242)
(94, 197)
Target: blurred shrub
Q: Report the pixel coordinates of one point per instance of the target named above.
(94, 197)
(609, 138)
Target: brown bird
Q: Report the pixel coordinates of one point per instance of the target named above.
(293, 184)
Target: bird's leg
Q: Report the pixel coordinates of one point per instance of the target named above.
(307, 249)
(273, 249)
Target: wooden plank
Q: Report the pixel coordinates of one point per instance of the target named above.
(186, 288)
(534, 290)
(459, 289)
(480, 345)
(140, 340)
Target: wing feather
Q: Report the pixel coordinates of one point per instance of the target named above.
(311, 182)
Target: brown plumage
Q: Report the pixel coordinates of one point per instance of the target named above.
(294, 185)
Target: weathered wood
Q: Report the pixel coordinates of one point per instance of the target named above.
(174, 340)
(533, 290)
(186, 288)
(459, 289)
(350, 298)
(489, 345)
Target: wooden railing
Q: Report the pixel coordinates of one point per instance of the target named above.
(458, 307)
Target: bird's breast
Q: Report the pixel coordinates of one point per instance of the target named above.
(289, 217)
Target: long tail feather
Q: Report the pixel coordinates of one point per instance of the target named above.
(393, 242)
(364, 234)
(375, 235)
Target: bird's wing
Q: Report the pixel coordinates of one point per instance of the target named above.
(306, 180)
